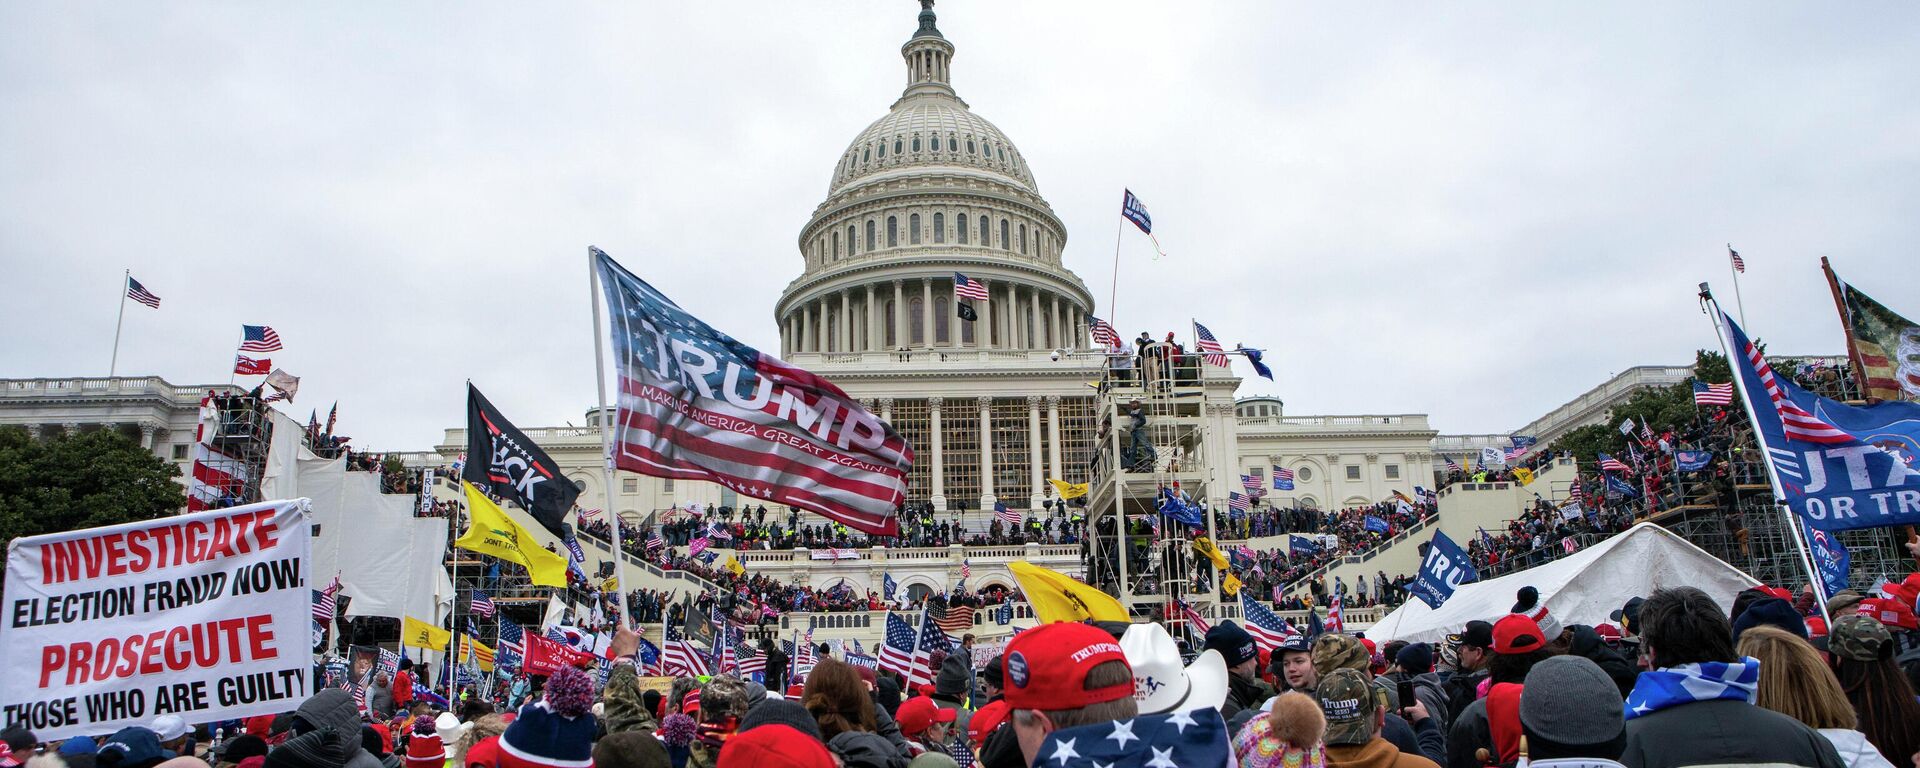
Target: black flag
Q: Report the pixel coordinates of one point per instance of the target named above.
(502, 459)
(966, 311)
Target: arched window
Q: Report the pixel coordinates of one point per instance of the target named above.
(986, 240)
(1002, 150)
(896, 146)
(941, 309)
(836, 245)
(916, 142)
(913, 229)
(1023, 239)
(893, 231)
(871, 242)
(916, 321)
(952, 146)
(883, 150)
(961, 230)
(1004, 240)
(892, 340)
(970, 149)
(866, 154)
(852, 248)
(939, 228)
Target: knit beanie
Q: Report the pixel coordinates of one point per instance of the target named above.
(555, 732)
(955, 678)
(1570, 708)
(1528, 604)
(781, 712)
(1416, 658)
(1233, 643)
(1770, 611)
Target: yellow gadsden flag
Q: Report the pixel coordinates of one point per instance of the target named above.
(491, 532)
(1524, 475)
(1205, 547)
(1068, 490)
(1231, 585)
(734, 567)
(1058, 597)
(415, 633)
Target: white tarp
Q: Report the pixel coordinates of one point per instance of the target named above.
(280, 479)
(391, 563)
(1583, 588)
(206, 615)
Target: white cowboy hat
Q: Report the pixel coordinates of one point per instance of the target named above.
(1160, 684)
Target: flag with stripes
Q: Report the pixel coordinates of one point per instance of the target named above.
(966, 569)
(481, 605)
(1250, 483)
(1514, 453)
(1005, 514)
(1282, 478)
(217, 480)
(1611, 464)
(1739, 264)
(1454, 466)
(1574, 494)
(1238, 502)
(1798, 423)
(1209, 346)
(1267, 628)
(932, 638)
(511, 643)
(1198, 622)
(247, 366)
(964, 288)
(259, 338)
(718, 410)
(896, 651)
(325, 602)
(679, 656)
(951, 619)
(751, 662)
(1336, 615)
(1103, 334)
(1712, 394)
(139, 293)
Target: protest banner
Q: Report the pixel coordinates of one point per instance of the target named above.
(205, 615)
(544, 657)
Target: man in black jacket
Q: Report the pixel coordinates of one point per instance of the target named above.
(1244, 691)
(1692, 707)
(1473, 649)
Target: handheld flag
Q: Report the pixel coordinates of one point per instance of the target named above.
(696, 404)
(415, 633)
(1282, 478)
(1879, 341)
(1712, 394)
(1445, 569)
(247, 366)
(504, 460)
(1058, 597)
(491, 532)
(1067, 490)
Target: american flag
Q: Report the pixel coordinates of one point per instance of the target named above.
(964, 288)
(1574, 494)
(1611, 464)
(807, 444)
(1198, 622)
(1267, 628)
(1250, 482)
(678, 656)
(1336, 616)
(1712, 394)
(1514, 453)
(1795, 421)
(259, 338)
(1739, 264)
(325, 602)
(1214, 353)
(482, 605)
(966, 569)
(247, 366)
(1005, 514)
(1454, 466)
(512, 638)
(751, 663)
(931, 639)
(139, 293)
(590, 514)
(1238, 501)
(953, 619)
(1103, 334)
(896, 652)
(1646, 433)
(654, 542)
(1282, 478)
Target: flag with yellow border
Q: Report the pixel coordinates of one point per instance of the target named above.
(491, 532)
(472, 650)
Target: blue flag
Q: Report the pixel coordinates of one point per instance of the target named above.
(1445, 569)
(1622, 487)
(1376, 525)
(1692, 461)
(1181, 510)
(1524, 441)
(1314, 627)
(1840, 466)
(888, 586)
(1004, 616)
(1192, 739)
(1298, 545)
(1253, 356)
(1830, 558)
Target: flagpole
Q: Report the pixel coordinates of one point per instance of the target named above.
(1738, 305)
(1773, 478)
(126, 279)
(1113, 294)
(606, 438)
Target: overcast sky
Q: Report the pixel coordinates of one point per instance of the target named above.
(1476, 211)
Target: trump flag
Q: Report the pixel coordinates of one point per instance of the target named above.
(697, 404)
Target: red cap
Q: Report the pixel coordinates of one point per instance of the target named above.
(1608, 632)
(866, 673)
(920, 713)
(1047, 667)
(1779, 592)
(1816, 626)
(1516, 633)
(690, 703)
(1890, 612)
(796, 690)
(772, 745)
(1371, 648)
(985, 719)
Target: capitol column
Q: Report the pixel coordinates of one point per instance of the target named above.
(1039, 326)
(984, 333)
(926, 312)
(899, 314)
(1035, 495)
(846, 320)
(1058, 322)
(875, 337)
(1053, 436)
(146, 435)
(886, 409)
(986, 453)
(939, 473)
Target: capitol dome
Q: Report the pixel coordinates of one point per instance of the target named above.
(925, 194)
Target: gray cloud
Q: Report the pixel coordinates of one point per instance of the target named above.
(1472, 211)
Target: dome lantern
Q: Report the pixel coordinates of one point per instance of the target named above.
(928, 54)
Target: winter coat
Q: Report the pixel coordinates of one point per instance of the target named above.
(334, 708)
(889, 729)
(1587, 643)
(380, 701)
(1724, 732)
(1430, 692)
(624, 709)
(860, 749)
(1854, 748)
(1244, 692)
(1374, 754)
(1470, 733)
(1462, 690)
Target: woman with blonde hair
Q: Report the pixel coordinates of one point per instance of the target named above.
(1796, 682)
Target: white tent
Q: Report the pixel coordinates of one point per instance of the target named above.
(1583, 588)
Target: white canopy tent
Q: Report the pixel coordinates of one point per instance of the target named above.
(1583, 588)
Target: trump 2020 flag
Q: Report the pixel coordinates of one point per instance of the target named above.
(1839, 466)
(1445, 569)
(1830, 558)
(697, 404)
